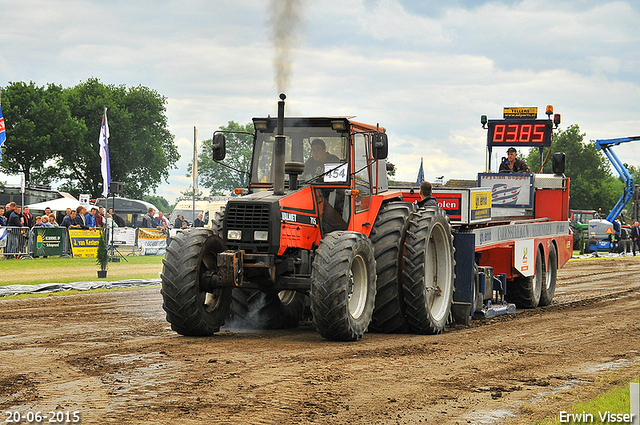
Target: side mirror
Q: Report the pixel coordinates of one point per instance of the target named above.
(558, 163)
(219, 147)
(380, 145)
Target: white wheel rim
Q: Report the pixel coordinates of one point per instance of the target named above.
(548, 276)
(437, 269)
(357, 290)
(537, 281)
(286, 296)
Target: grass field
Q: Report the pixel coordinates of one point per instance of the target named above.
(615, 400)
(66, 270)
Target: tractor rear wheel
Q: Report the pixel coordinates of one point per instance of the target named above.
(190, 309)
(551, 274)
(428, 271)
(388, 236)
(254, 309)
(343, 286)
(525, 292)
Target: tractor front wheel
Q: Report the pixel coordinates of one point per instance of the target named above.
(343, 286)
(190, 309)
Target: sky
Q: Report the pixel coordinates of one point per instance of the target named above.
(424, 70)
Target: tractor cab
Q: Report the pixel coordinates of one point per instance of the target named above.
(311, 176)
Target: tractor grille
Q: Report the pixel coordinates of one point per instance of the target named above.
(247, 216)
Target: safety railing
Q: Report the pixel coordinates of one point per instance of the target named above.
(22, 242)
(15, 242)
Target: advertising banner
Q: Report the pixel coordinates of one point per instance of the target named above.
(49, 241)
(480, 205)
(3, 237)
(152, 242)
(508, 190)
(121, 236)
(84, 243)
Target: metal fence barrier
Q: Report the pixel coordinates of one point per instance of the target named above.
(22, 242)
(16, 241)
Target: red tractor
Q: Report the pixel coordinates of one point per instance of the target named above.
(317, 226)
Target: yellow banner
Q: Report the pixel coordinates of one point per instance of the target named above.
(480, 205)
(84, 243)
(152, 241)
(521, 112)
(151, 234)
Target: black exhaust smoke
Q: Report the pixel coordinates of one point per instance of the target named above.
(278, 151)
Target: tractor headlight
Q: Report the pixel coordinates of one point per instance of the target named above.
(260, 235)
(234, 235)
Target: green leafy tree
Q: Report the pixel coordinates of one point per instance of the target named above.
(635, 173)
(39, 126)
(592, 184)
(158, 201)
(189, 193)
(220, 179)
(141, 148)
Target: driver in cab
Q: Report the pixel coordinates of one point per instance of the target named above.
(512, 164)
(319, 157)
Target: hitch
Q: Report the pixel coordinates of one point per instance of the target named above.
(498, 306)
(230, 266)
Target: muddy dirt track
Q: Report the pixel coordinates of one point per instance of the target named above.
(113, 358)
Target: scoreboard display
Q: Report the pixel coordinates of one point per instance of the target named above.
(522, 132)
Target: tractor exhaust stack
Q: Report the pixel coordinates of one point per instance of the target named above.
(278, 155)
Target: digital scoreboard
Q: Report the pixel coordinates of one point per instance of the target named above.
(521, 132)
(520, 127)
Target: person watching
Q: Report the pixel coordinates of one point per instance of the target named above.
(199, 222)
(179, 222)
(79, 217)
(148, 220)
(160, 221)
(512, 164)
(69, 221)
(426, 198)
(90, 218)
(319, 157)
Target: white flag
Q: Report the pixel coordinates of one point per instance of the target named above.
(104, 155)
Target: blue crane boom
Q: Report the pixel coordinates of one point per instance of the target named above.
(605, 145)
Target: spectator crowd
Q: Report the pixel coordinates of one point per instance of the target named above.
(91, 218)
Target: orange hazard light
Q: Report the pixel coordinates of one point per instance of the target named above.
(610, 231)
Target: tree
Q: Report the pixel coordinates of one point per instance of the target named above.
(39, 127)
(141, 148)
(189, 193)
(158, 201)
(592, 184)
(220, 179)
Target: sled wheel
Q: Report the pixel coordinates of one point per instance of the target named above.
(525, 292)
(551, 274)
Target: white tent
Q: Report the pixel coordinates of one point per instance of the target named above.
(60, 204)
